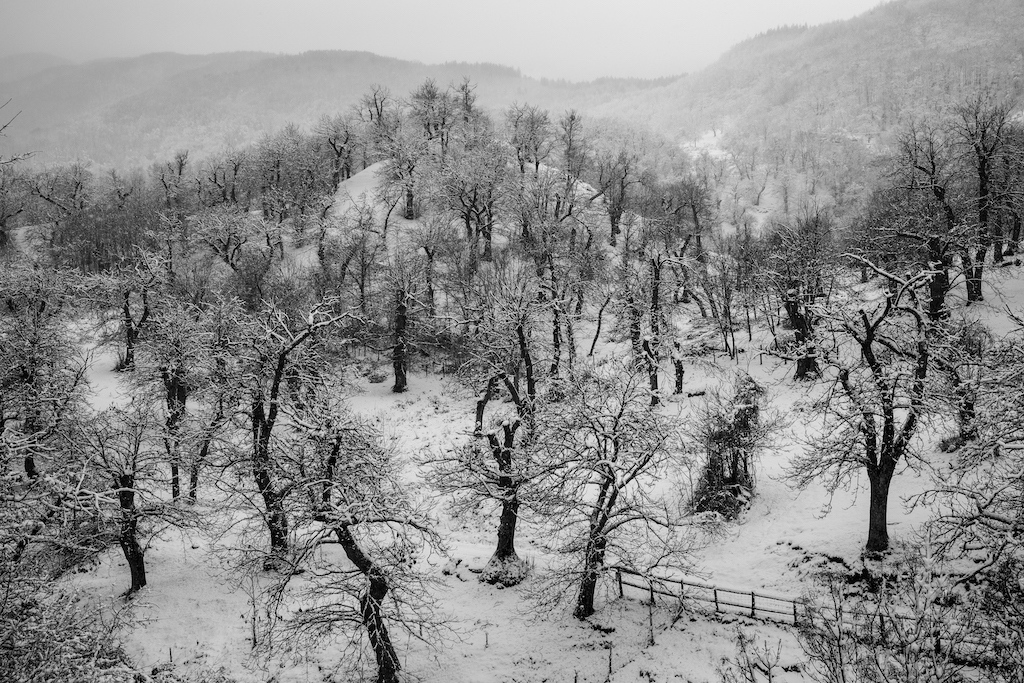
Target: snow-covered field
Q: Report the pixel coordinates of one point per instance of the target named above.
(194, 612)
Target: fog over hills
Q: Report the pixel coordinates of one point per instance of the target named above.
(137, 110)
(860, 75)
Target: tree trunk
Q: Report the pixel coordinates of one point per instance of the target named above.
(1014, 242)
(652, 371)
(175, 395)
(807, 364)
(973, 270)
(486, 232)
(429, 276)
(273, 500)
(481, 404)
(410, 210)
(556, 339)
(131, 328)
(614, 218)
(656, 315)
(505, 551)
(597, 331)
(635, 329)
(130, 335)
(370, 607)
(594, 563)
(204, 450)
(938, 286)
(679, 372)
(128, 537)
(878, 531)
(399, 355)
(505, 567)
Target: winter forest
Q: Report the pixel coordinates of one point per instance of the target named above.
(436, 387)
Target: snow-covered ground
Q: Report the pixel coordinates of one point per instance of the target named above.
(194, 612)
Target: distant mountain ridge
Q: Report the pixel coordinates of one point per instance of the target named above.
(860, 76)
(138, 110)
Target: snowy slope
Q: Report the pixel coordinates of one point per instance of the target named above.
(194, 614)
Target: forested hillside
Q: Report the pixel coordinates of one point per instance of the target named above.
(134, 111)
(433, 389)
(858, 76)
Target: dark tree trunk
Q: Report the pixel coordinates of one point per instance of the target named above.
(527, 358)
(481, 405)
(974, 272)
(410, 204)
(656, 297)
(807, 363)
(506, 548)
(652, 371)
(597, 332)
(679, 373)
(128, 536)
(132, 328)
(966, 398)
(938, 286)
(370, 607)
(175, 396)
(556, 339)
(505, 567)
(997, 238)
(486, 232)
(273, 500)
(1014, 243)
(429, 275)
(399, 355)
(878, 508)
(593, 565)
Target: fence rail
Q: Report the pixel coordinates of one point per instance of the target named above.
(782, 609)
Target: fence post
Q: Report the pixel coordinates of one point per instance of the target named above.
(753, 606)
(794, 613)
(715, 590)
(618, 576)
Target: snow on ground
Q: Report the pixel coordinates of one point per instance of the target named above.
(193, 613)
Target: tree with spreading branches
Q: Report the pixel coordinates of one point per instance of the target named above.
(878, 393)
(354, 570)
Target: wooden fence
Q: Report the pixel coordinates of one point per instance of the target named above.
(976, 648)
(753, 604)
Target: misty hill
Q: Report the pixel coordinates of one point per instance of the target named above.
(138, 110)
(859, 75)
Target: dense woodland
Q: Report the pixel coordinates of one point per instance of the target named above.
(510, 250)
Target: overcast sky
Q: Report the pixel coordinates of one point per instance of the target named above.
(544, 38)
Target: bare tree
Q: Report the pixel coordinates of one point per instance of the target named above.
(42, 380)
(604, 505)
(878, 394)
(275, 361)
(351, 498)
(117, 463)
(982, 125)
(500, 465)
